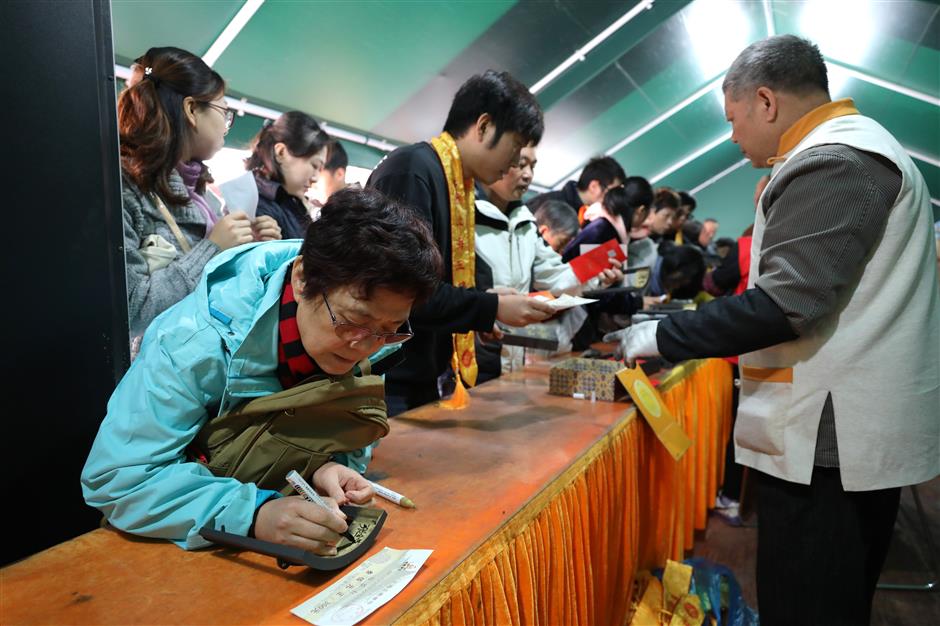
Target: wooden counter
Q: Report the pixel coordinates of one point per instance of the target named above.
(472, 474)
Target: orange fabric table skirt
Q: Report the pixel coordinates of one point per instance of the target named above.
(540, 510)
(570, 555)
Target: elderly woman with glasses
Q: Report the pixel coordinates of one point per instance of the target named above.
(272, 365)
(172, 116)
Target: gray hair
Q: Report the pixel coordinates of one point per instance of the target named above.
(558, 216)
(782, 63)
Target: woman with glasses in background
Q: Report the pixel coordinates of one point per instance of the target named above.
(173, 116)
(274, 365)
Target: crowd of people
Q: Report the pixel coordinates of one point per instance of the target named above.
(391, 296)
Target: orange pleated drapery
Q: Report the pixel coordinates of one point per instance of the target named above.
(570, 556)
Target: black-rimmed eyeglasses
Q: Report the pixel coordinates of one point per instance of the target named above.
(354, 332)
(226, 112)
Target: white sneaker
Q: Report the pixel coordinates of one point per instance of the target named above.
(730, 515)
(724, 502)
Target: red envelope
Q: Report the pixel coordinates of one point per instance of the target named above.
(592, 263)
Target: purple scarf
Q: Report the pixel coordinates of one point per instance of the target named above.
(190, 172)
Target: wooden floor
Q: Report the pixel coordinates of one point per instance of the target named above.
(737, 548)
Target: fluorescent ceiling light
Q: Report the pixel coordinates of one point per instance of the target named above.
(837, 68)
(381, 144)
(690, 157)
(718, 31)
(923, 157)
(345, 134)
(843, 29)
(231, 31)
(659, 119)
(582, 52)
(714, 179)
(769, 19)
(656, 121)
(243, 107)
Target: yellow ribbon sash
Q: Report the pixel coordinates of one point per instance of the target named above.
(463, 258)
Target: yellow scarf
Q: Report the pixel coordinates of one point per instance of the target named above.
(808, 123)
(463, 257)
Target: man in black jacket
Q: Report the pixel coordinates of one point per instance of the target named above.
(491, 118)
(599, 175)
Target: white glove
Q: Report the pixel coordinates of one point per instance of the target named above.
(636, 341)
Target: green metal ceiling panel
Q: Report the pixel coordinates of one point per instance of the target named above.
(931, 177)
(632, 34)
(369, 64)
(189, 24)
(689, 129)
(362, 156)
(350, 62)
(683, 53)
(895, 41)
(922, 72)
(572, 147)
(695, 173)
(904, 63)
(570, 151)
(916, 124)
(730, 201)
(516, 43)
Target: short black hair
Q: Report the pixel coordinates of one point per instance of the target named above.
(691, 231)
(558, 216)
(782, 62)
(338, 157)
(665, 198)
(686, 199)
(684, 264)
(604, 169)
(365, 240)
(635, 192)
(511, 105)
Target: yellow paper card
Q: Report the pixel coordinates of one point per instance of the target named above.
(688, 612)
(651, 405)
(651, 605)
(676, 580)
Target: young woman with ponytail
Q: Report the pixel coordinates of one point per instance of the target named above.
(286, 159)
(171, 118)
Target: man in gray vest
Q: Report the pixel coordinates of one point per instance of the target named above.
(839, 332)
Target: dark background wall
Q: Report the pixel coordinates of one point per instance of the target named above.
(64, 303)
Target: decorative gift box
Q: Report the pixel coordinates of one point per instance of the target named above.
(592, 378)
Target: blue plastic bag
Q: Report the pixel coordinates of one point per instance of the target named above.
(707, 581)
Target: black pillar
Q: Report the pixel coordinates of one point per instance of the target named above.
(65, 312)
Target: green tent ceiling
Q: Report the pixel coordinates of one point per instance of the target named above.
(389, 69)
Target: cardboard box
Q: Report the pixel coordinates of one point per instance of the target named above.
(587, 377)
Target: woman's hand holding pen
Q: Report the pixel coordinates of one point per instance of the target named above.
(294, 521)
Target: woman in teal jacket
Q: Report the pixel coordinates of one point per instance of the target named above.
(349, 293)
